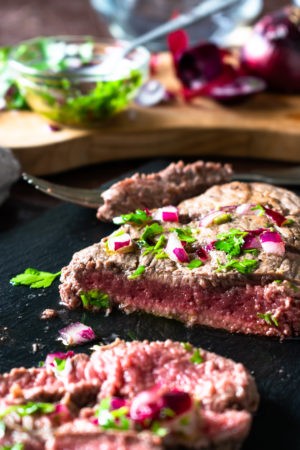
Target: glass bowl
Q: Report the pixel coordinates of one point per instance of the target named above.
(48, 72)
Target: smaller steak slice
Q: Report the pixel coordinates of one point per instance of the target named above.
(221, 395)
(169, 186)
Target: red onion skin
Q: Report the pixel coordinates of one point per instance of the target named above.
(272, 52)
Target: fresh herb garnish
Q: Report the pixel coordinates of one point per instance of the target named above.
(137, 273)
(17, 446)
(194, 264)
(157, 429)
(157, 249)
(28, 409)
(268, 318)
(138, 217)
(60, 364)
(34, 278)
(116, 419)
(243, 266)
(95, 298)
(187, 346)
(259, 208)
(196, 358)
(185, 234)
(150, 231)
(231, 242)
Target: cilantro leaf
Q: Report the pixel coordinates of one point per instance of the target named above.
(194, 264)
(34, 278)
(243, 266)
(185, 234)
(151, 231)
(116, 419)
(231, 242)
(196, 358)
(137, 273)
(268, 318)
(28, 409)
(95, 298)
(138, 217)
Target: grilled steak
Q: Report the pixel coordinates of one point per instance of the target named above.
(227, 259)
(169, 186)
(129, 396)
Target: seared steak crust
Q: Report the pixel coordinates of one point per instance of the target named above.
(264, 301)
(169, 186)
(227, 393)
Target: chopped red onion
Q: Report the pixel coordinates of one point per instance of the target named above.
(167, 214)
(76, 333)
(178, 401)
(244, 208)
(175, 249)
(50, 358)
(202, 254)
(210, 218)
(147, 405)
(251, 241)
(120, 242)
(278, 218)
(272, 242)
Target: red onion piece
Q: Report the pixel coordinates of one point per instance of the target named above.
(147, 405)
(178, 401)
(153, 93)
(272, 243)
(251, 241)
(277, 217)
(202, 254)
(272, 52)
(76, 333)
(117, 402)
(167, 214)
(210, 218)
(244, 208)
(175, 249)
(120, 242)
(50, 358)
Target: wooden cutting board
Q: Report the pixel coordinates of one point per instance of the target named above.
(265, 126)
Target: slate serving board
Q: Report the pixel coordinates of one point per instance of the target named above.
(48, 244)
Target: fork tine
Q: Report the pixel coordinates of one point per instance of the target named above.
(90, 198)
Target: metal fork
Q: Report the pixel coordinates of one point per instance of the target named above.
(91, 198)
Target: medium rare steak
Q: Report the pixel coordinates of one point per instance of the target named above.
(129, 396)
(228, 258)
(169, 186)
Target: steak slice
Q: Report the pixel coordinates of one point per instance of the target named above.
(221, 396)
(169, 186)
(234, 287)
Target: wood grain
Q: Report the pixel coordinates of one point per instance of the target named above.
(266, 126)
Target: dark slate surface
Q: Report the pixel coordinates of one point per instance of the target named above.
(49, 242)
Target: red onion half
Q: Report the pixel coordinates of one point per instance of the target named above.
(272, 52)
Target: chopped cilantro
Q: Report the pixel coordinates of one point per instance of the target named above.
(157, 429)
(252, 251)
(288, 222)
(185, 234)
(60, 364)
(243, 266)
(259, 208)
(34, 278)
(195, 263)
(196, 358)
(116, 419)
(28, 409)
(278, 281)
(137, 273)
(187, 346)
(95, 298)
(268, 318)
(157, 249)
(231, 242)
(17, 446)
(151, 231)
(138, 217)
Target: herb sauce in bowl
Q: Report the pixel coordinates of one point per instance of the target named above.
(47, 71)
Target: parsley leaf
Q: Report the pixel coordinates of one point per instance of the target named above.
(137, 273)
(243, 266)
(268, 318)
(195, 263)
(34, 278)
(231, 242)
(138, 217)
(196, 358)
(95, 298)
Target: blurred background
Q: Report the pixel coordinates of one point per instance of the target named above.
(23, 19)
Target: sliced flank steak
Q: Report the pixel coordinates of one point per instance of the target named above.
(129, 396)
(228, 258)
